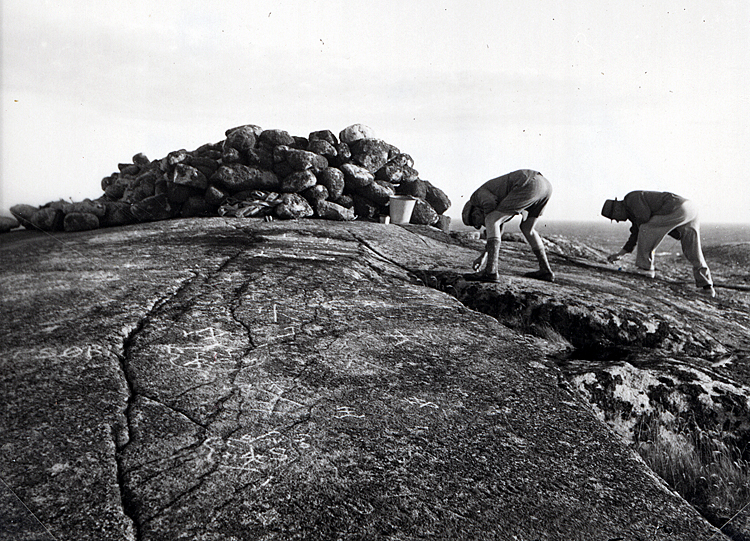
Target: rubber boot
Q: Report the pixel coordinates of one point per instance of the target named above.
(490, 273)
(545, 271)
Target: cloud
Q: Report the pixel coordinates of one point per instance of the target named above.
(598, 97)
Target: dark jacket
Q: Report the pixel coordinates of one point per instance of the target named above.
(641, 205)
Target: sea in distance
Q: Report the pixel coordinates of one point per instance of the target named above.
(610, 236)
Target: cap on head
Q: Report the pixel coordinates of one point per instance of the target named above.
(608, 210)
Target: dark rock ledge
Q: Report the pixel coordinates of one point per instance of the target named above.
(226, 378)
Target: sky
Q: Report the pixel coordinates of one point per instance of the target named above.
(603, 97)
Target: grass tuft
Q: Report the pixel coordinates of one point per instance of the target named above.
(707, 471)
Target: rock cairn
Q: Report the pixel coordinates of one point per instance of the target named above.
(255, 173)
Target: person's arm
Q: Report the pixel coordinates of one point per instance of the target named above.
(632, 240)
(629, 245)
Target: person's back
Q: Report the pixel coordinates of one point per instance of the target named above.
(643, 204)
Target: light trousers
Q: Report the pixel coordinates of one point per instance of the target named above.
(685, 220)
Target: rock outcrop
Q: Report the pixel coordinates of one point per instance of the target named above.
(665, 368)
(254, 173)
(224, 378)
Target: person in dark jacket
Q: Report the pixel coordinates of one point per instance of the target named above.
(524, 192)
(655, 215)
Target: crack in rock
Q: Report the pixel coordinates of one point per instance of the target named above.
(125, 358)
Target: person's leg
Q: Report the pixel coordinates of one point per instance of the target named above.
(493, 224)
(537, 246)
(691, 248)
(648, 239)
(690, 238)
(653, 232)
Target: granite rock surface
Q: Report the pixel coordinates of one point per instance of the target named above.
(229, 378)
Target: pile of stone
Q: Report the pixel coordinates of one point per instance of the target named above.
(255, 173)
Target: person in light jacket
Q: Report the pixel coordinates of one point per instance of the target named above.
(655, 215)
(524, 192)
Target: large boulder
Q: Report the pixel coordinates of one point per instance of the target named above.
(397, 169)
(48, 219)
(274, 138)
(372, 154)
(88, 206)
(356, 132)
(293, 206)
(323, 148)
(436, 197)
(260, 157)
(141, 160)
(423, 213)
(302, 160)
(238, 177)
(299, 181)
(316, 195)
(242, 139)
(152, 209)
(80, 221)
(116, 187)
(118, 213)
(24, 214)
(205, 165)
(7, 223)
(333, 179)
(187, 175)
(379, 192)
(329, 210)
(323, 135)
(356, 177)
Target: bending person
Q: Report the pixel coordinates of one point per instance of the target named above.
(498, 200)
(655, 215)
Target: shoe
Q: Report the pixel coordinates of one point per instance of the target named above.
(650, 273)
(541, 275)
(708, 291)
(482, 277)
